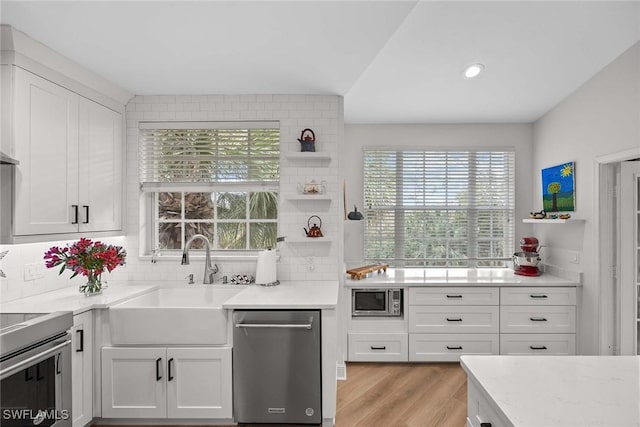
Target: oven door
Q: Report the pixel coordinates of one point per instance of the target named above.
(370, 302)
(35, 386)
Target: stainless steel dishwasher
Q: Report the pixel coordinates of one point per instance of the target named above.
(276, 366)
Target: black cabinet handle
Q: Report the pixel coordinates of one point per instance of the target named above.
(454, 347)
(485, 424)
(27, 377)
(58, 371)
(454, 296)
(158, 361)
(454, 319)
(169, 363)
(379, 347)
(86, 214)
(81, 346)
(538, 319)
(75, 209)
(541, 347)
(537, 296)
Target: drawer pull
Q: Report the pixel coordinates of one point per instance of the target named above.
(485, 424)
(454, 347)
(537, 296)
(538, 347)
(454, 319)
(454, 296)
(538, 319)
(378, 347)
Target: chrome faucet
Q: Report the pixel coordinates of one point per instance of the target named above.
(209, 271)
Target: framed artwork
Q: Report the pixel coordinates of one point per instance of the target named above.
(559, 188)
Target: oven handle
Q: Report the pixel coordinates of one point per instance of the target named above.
(37, 358)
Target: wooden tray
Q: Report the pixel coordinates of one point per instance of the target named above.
(359, 272)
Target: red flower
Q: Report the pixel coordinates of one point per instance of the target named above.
(86, 257)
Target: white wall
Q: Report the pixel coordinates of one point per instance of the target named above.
(601, 117)
(511, 136)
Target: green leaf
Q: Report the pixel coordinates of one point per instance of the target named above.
(75, 273)
(61, 270)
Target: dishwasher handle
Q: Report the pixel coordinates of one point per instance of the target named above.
(275, 325)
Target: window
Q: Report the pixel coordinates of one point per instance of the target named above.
(219, 181)
(439, 208)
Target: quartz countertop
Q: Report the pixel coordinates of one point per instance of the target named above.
(69, 299)
(309, 294)
(288, 294)
(461, 277)
(560, 391)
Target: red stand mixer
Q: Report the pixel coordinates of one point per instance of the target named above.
(525, 263)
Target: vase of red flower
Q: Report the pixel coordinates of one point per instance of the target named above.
(86, 258)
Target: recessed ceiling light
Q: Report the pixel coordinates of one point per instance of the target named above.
(473, 70)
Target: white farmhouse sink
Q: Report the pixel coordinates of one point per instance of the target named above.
(173, 316)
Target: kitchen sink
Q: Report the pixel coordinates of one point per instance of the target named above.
(173, 316)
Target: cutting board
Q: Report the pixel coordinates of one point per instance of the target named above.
(359, 272)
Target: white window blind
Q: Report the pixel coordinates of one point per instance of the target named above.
(439, 208)
(185, 156)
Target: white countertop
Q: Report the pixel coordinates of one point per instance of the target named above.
(69, 299)
(314, 294)
(460, 277)
(308, 294)
(561, 391)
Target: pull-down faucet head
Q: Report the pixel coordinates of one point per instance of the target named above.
(209, 270)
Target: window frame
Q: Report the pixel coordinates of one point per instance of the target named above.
(400, 237)
(149, 220)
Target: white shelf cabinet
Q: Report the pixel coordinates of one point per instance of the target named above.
(82, 368)
(167, 382)
(308, 155)
(309, 197)
(70, 152)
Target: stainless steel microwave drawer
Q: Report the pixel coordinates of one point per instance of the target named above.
(454, 296)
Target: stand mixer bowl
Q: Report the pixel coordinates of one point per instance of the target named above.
(526, 259)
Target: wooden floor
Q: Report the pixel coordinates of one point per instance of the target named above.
(402, 394)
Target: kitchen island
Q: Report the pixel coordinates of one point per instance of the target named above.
(553, 391)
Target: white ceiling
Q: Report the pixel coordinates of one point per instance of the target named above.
(394, 62)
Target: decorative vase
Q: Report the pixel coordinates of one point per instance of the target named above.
(93, 285)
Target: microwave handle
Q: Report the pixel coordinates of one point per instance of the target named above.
(33, 359)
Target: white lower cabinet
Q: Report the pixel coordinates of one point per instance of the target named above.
(166, 382)
(381, 347)
(535, 344)
(480, 411)
(449, 347)
(82, 369)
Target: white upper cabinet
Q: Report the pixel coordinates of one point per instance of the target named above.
(70, 151)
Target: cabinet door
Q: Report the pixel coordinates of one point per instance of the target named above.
(46, 144)
(199, 383)
(100, 167)
(134, 382)
(82, 368)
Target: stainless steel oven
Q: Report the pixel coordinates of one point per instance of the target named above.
(382, 302)
(35, 370)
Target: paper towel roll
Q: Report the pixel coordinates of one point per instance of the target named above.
(266, 268)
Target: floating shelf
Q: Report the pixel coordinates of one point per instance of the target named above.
(308, 155)
(323, 197)
(304, 239)
(553, 221)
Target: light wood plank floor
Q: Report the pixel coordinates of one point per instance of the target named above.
(402, 395)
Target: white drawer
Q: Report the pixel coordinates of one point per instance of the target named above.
(378, 347)
(535, 344)
(538, 296)
(454, 296)
(480, 411)
(449, 347)
(543, 319)
(462, 319)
